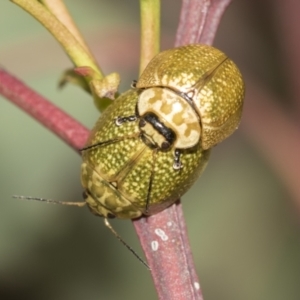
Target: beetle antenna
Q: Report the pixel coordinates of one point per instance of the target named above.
(79, 204)
(108, 225)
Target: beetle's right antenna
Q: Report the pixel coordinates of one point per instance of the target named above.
(79, 204)
(107, 224)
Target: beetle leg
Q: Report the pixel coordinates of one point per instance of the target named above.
(104, 143)
(177, 165)
(133, 84)
(150, 183)
(120, 120)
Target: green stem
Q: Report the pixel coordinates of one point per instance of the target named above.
(150, 31)
(60, 11)
(74, 49)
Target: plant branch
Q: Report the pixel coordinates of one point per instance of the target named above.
(150, 31)
(59, 10)
(74, 49)
(165, 243)
(199, 20)
(52, 117)
(102, 88)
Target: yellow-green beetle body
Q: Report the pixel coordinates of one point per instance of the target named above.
(152, 143)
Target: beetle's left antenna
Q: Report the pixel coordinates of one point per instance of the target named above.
(107, 224)
(79, 204)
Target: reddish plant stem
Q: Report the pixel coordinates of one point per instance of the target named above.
(199, 20)
(52, 117)
(165, 243)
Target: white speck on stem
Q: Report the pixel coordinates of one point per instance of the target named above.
(197, 285)
(169, 224)
(154, 245)
(161, 234)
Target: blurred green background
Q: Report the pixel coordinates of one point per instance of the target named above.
(242, 224)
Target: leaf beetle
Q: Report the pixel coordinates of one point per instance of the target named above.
(152, 143)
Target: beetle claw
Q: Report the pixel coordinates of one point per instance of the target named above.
(177, 165)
